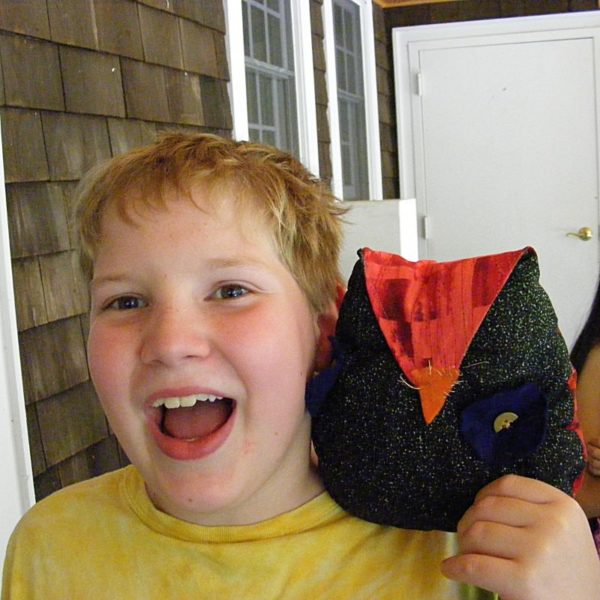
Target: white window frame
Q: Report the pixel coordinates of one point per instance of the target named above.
(370, 94)
(304, 78)
(17, 474)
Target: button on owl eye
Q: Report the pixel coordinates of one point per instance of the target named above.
(504, 421)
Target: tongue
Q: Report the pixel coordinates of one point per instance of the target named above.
(195, 421)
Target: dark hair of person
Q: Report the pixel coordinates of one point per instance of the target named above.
(589, 335)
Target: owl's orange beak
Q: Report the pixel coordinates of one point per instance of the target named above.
(434, 385)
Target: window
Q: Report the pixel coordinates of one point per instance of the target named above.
(352, 90)
(272, 80)
(270, 85)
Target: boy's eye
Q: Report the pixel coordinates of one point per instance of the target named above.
(230, 292)
(127, 303)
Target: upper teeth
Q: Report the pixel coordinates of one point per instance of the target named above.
(184, 401)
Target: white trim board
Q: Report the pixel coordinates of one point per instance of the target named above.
(17, 477)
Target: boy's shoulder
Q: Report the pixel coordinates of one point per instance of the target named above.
(74, 501)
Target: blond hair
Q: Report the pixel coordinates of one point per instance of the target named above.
(304, 217)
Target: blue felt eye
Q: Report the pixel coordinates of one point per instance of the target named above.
(506, 426)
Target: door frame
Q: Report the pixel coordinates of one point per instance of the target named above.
(404, 39)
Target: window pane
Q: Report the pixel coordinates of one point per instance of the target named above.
(287, 116)
(275, 41)
(266, 101)
(254, 134)
(349, 25)
(252, 97)
(338, 25)
(259, 35)
(343, 113)
(352, 85)
(340, 68)
(246, 29)
(351, 104)
(270, 65)
(269, 138)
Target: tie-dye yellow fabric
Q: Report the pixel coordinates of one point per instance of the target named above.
(103, 539)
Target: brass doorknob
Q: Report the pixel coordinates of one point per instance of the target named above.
(584, 234)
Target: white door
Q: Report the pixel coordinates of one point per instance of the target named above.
(498, 133)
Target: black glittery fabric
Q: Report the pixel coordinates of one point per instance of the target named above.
(380, 460)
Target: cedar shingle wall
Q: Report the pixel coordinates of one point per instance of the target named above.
(81, 81)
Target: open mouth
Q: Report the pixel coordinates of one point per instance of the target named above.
(194, 417)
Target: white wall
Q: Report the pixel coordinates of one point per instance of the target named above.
(15, 465)
(385, 225)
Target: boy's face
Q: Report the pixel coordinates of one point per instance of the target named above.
(189, 304)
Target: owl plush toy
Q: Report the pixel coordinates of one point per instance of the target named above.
(446, 376)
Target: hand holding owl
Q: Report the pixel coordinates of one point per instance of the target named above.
(525, 539)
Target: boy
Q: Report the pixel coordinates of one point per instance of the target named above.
(214, 279)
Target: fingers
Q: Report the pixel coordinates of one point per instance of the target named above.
(488, 573)
(525, 539)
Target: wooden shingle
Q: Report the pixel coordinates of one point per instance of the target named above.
(98, 458)
(384, 83)
(53, 358)
(119, 28)
(64, 291)
(38, 460)
(207, 12)
(215, 103)
(382, 56)
(29, 293)
(37, 219)
(379, 24)
(316, 19)
(318, 53)
(145, 93)
(199, 52)
(2, 96)
(323, 124)
(31, 73)
(74, 143)
(321, 90)
(222, 58)
(387, 138)
(325, 171)
(31, 19)
(92, 82)
(126, 134)
(23, 146)
(46, 483)
(183, 94)
(72, 22)
(390, 187)
(160, 4)
(160, 37)
(385, 110)
(70, 422)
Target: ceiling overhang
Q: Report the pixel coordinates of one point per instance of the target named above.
(401, 3)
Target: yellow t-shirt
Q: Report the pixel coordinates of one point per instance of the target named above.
(103, 538)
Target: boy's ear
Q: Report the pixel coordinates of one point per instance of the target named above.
(326, 322)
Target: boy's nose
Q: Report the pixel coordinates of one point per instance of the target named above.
(173, 335)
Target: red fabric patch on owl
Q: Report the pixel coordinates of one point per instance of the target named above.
(429, 313)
